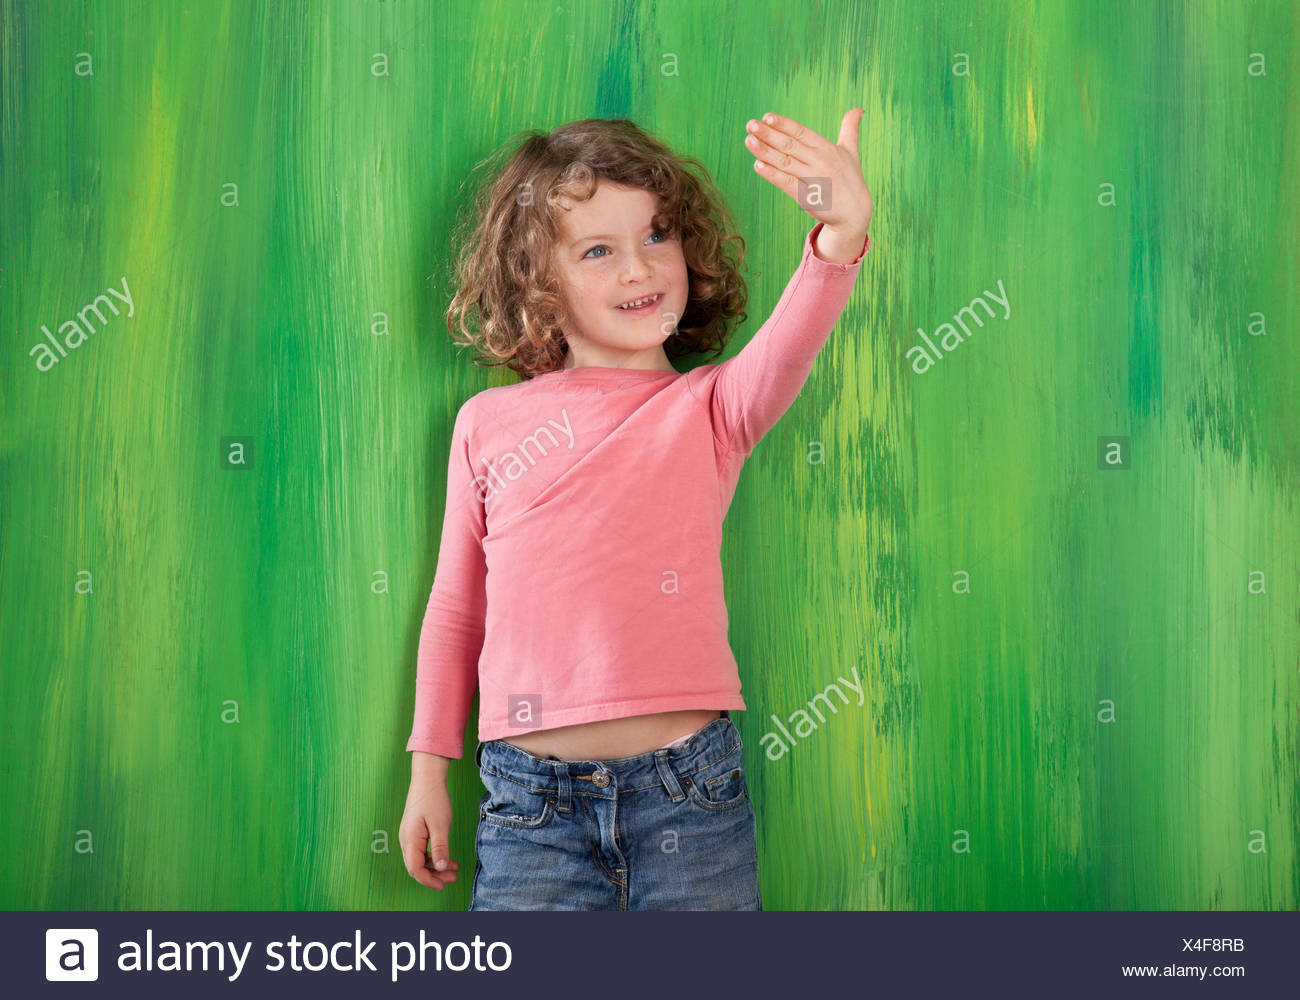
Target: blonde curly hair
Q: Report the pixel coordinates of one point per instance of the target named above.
(505, 276)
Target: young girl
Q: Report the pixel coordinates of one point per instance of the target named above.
(579, 586)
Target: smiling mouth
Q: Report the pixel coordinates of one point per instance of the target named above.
(644, 302)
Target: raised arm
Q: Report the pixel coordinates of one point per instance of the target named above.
(752, 390)
(451, 637)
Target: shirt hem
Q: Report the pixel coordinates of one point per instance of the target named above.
(435, 747)
(499, 729)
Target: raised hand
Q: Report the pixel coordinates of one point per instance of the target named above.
(785, 151)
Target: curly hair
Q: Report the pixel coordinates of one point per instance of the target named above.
(504, 267)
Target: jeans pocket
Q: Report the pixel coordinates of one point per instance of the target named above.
(720, 785)
(511, 804)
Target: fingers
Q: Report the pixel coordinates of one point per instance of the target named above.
(786, 151)
(778, 167)
(778, 178)
(414, 859)
(783, 142)
(438, 856)
(420, 864)
(789, 135)
(429, 879)
(423, 873)
(441, 879)
(779, 148)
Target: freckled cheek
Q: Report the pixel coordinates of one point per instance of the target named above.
(597, 296)
(682, 283)
(585, 296)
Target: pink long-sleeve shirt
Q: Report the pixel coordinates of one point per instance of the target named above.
(579, 575)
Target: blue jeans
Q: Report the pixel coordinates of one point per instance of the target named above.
(665, 830)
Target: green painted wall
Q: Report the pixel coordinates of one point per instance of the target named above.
(1107, 719)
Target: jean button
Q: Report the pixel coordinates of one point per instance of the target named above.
(600, 779)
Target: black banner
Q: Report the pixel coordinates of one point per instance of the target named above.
(255, 954)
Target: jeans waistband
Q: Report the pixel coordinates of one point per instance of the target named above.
(605, 778)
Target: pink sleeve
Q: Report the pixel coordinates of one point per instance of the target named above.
(452, 635)
(753, 389)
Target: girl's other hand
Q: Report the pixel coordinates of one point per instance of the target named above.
(427, 819)
(786, 151)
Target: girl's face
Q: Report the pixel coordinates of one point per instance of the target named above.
(610, 253)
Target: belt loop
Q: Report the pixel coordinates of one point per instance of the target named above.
(667, 775)
(478, 754)
(564, 786)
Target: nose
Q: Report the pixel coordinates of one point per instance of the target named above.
(637, 266)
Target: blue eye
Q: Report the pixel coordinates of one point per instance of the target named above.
(662, 237)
